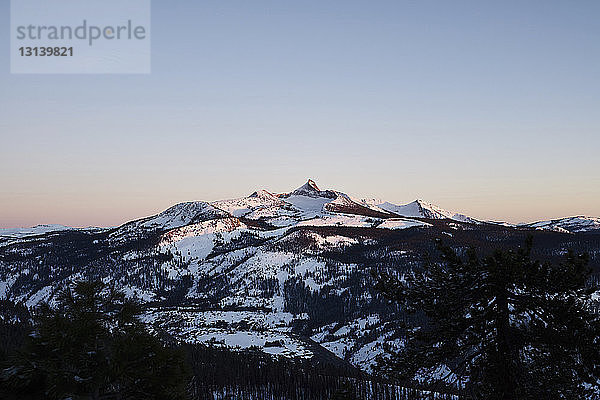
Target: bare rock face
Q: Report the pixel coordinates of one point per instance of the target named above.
(310, 189)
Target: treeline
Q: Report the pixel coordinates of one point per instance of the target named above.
(252, 375)
(91, 345)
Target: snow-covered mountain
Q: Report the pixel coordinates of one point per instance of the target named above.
(41, 230)
(568, 224)
(418, 208)
(291, 208)
(179, 215)
(308, 201)
(310, 189)
(34, 230)
(282, 271)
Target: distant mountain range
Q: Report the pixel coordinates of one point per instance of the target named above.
(291, 273)
(305, 203)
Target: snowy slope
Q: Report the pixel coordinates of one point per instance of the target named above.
(244, 206)
(249, 271)
(35, 230)
(174, 217)
(401, 223)
(16, 233)
(569, 224)
(418, 209)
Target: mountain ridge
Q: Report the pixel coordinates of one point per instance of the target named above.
(272, 271)
(330, 200)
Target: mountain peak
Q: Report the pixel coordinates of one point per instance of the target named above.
(313, 185)
(309, 187)
(263, 194)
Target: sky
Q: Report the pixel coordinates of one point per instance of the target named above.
(487, 108)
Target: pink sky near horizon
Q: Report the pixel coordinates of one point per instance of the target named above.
(102, 207)
(485, 108)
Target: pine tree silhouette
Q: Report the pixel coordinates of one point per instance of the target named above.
(509, 326)
(91, 345)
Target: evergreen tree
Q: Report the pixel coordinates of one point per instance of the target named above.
(91, 345)
(509, 326)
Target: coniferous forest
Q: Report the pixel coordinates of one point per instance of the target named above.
(474, 325)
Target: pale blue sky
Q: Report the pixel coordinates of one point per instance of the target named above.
(488, 108)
